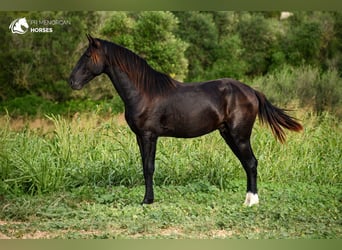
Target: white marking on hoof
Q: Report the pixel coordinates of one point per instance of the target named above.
(251, 199)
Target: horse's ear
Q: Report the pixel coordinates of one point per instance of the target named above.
(92, 41)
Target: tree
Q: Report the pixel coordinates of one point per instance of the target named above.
(150, 34)
(257, 41)
(311, 38)
(119, 27)
(40, 63)
(200, 32)
(228, 59)
(302, 45)
(15, 59)
(335, 48)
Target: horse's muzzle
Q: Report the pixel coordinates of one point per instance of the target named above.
(74, 85)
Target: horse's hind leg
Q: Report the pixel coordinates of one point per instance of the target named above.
(239, 142)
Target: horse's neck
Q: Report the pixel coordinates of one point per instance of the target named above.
(126, 89)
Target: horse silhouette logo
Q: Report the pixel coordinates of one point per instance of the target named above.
(19, 26)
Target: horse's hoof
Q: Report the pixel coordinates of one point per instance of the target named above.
(147, 201)
(251, 199)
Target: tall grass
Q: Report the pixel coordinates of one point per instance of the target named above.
(91, 151)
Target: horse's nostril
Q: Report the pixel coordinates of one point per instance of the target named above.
(74, 84)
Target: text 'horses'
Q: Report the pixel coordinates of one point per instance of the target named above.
(157, 105)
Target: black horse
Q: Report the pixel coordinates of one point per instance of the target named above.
(157, 105)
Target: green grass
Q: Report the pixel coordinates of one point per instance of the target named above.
(197, 210)
(98, 152)
(83, 179)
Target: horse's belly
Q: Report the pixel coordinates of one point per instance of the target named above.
(189, 124)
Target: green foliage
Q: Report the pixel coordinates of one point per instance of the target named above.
(308, 85)
(151, 35)
(92, 152)
(310, 38)
(302, 45)
(119, 28)
(335, 48)
(35, 106)
(229, 60)
(199, 31)
(28, 105)
(69, 182)
(39, 63)
(188, 45)
(194, 211)
(257, 39)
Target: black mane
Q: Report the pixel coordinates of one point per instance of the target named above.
(147, 79)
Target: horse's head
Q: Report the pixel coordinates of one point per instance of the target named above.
(90, 65)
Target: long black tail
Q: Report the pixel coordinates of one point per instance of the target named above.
(276, 118)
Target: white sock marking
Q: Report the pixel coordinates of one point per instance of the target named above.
(251, 199)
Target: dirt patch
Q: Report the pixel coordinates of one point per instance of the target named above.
(38, 235)
(44, 125)
(4, 237)
(165, 233)
(120, 119)
(221, 234)
(40, 125)
(2, 223)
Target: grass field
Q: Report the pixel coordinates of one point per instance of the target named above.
(196, 210)
(82, 178)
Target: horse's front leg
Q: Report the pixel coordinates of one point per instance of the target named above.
(147, 145)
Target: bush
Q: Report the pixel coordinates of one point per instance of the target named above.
(258, 40)
(150, 34)
(302, 45)
(309, 85)
(29, 105)
(37, 63)
(198, 29)
(229, 62)
(35, 106)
